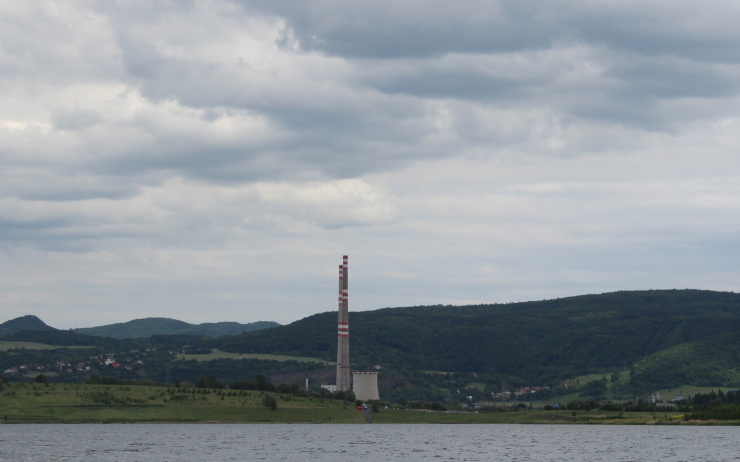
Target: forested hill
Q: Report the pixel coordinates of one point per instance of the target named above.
(532, 340)
(141, 328)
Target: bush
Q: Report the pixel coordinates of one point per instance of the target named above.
(208, 381)
(348, 395)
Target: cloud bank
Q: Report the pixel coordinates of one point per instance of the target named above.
(212, 160)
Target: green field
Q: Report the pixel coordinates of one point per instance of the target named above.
(77, 403)
(218, 354)
(666, 394)
(83, 403)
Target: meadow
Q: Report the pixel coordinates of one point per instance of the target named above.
(87, 403)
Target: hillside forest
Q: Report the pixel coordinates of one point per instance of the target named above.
(632, 342)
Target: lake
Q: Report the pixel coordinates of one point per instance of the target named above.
(372, 442)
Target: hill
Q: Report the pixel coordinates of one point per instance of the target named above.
(532, 341)
(141, 328)
(28, 322)
(666, 338)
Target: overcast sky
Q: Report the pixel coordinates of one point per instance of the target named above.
(213, 160)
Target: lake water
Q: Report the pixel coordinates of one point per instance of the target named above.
(296, 442)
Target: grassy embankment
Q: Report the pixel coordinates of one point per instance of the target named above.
(615, 390)
(218, 354)
(80, 403)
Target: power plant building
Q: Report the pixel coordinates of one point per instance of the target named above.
(365, 385)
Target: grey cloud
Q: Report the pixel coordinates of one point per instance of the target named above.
(702, 32)
(356, 126)
(193, 160)
(658, 93)
(182, 130)
(61, 191)
(660, 52)
(64, 184)
(39, 45)
(457, 84)
(416, 29)
(52, 234)
(75, 119)
(672, 78)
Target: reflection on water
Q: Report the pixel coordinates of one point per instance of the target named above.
(246, 442)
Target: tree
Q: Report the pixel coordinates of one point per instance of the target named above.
(41, 378)
(288, 387)
(261, 383)
(242, 385)
(595, 388)
(269, 401)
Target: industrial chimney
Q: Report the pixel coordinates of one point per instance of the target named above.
(343, 372)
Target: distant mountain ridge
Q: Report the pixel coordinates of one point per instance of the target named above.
(141, 328)
(146, 327)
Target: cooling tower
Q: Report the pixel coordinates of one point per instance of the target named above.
(365, 385)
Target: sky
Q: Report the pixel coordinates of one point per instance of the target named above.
(213, 160)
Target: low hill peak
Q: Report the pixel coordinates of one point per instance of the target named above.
(27, 322)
